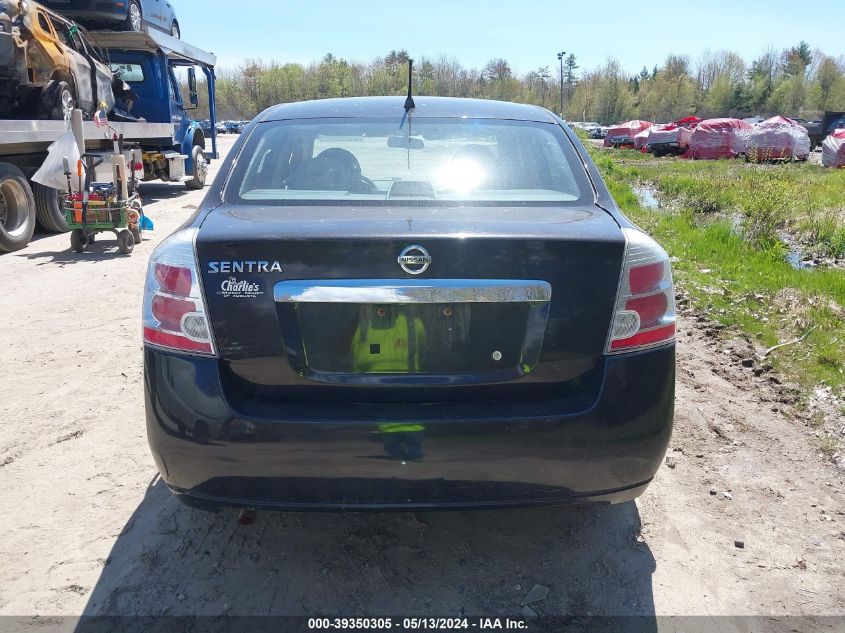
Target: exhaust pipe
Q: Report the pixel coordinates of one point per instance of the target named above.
(246, 517)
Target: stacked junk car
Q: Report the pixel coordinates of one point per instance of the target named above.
(85, 116)
(778, 138)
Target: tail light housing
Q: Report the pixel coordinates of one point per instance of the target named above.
(644, 315)
(174, 309)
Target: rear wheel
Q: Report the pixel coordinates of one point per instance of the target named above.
(134, 17)
(78, 241)
(136, 235)
(57, 101)
(17, 209)
(174, 30)
(48, 209)
(200, 169)
(125, 242)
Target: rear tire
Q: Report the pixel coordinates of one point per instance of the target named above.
(200, 169)
(134, 17)
(48, 209)
(175, 31)
(125, 242)
(136, 235)
(57, 101)
(17, 209)
(78, 241)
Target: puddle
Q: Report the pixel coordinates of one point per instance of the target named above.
(796, 260)
(646, 196)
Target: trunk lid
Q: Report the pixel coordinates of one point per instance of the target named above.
(312, 302)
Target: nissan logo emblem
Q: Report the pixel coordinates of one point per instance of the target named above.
(414, 260)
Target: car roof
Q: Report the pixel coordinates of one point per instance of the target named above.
(389, 107)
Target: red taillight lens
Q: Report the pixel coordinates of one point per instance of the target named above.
(173, 279)
(174, 309)
(645, 305)
(174, 341)
(646, 278)
(651, 308)
(169, 311)
(643, 339)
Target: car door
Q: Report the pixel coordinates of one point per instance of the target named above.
(102, 72)
(154, 14)
(177, 115)
(169, 14)
(71, 43)
(49, 46)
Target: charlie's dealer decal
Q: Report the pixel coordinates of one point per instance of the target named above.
(240, 288)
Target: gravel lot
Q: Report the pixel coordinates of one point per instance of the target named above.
(89, 528)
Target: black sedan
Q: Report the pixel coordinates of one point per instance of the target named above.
(385, 308)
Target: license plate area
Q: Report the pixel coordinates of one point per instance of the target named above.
(415, 332)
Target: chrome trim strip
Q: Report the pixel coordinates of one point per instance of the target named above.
(398, 291)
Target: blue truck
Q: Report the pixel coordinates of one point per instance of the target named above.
(148, 63)
(150, 114)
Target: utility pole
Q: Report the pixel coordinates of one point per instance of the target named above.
(560, 56)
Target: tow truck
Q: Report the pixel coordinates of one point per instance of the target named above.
(170, 145)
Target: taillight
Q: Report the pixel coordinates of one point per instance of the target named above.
(174, 309)
(645, 304)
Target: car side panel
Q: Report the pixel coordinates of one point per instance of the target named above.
(45, 53)
(81, 70)
(89, 11)
(155, 13)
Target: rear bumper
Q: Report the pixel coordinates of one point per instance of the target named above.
(320, 456)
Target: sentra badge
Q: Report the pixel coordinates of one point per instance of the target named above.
(244, 266)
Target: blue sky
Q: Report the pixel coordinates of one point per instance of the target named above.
(528, 33)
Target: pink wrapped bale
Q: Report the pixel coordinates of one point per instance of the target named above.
(624, 133)
(663, 134)
(719, 138)
(684, 136)
(641, 139)
(833, 149)
(778, 138)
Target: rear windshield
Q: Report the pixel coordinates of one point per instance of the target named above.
(416, 161)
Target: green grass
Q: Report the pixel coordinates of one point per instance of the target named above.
(739, 276)
(803, 201)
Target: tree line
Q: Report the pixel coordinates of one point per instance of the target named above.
(796, 81)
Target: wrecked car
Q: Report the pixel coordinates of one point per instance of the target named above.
(48, 66)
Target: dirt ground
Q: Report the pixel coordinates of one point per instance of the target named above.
(89, 528)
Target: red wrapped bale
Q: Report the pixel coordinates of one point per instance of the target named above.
(833, 149)
(624, 133)
(663, 134)
(719, 138)
(641, 139)
(685, 128)
(688, 122)
(778, 138)
(663, 139)
(684, 135)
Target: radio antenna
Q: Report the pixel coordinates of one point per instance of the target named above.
(409, 102)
